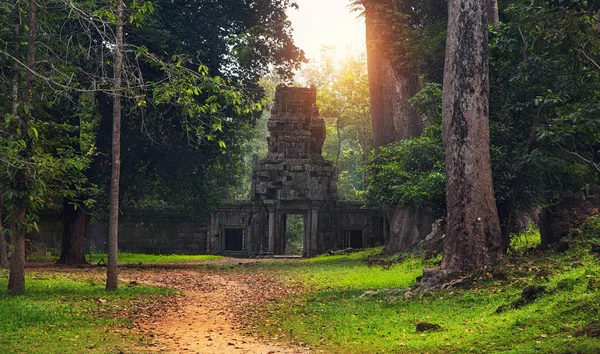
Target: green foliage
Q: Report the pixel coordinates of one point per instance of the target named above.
(543, 98)
(188, 145)
(524, 240)
(343, 101)
(294, 234)
(428, 102)
(410, 173)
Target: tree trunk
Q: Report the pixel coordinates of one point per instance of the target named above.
(113, 218)
(407, 121)
(16, 280)
(493, 16)
(392, 83)
(473, 238)
(407, 228)
(3, 248)
(4, 262)
(72, 250)
(365, 156)
(379, 69)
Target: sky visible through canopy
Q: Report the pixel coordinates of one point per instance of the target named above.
(319, 23)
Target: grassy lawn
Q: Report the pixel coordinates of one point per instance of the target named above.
(134, 258)
(338, 315)
(61, 315)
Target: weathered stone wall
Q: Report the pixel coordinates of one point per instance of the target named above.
(232, 215)
(139, 232)
(352, 216)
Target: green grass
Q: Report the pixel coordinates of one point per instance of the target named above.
(530, 237)
(133, 258)
(333, 315)
(61, 315)
(349, 272)
(136, 258)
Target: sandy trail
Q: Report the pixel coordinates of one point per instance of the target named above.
(207, 318)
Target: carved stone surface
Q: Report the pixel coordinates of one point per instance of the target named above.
(294, 168)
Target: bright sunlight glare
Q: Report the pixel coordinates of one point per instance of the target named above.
(327, 23)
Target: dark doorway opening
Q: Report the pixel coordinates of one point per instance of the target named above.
(293, 240)
(354, 238)
(234, 239)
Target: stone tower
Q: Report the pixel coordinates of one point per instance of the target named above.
(294, 169)
(293, 179)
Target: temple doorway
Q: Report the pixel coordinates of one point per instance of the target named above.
(293, 234)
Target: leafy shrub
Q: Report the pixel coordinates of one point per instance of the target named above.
(410, 173)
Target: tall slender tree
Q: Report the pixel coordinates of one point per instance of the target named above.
(473, 238)
(21, 178)
(113, 218)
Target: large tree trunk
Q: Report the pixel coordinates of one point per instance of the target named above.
(380, 89)
(407, 228)
(16, 280)
(72, 250)
(473, 238)
(392, 80)
(392, 83)
(113, 218)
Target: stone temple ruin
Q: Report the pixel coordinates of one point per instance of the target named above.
(293, 179)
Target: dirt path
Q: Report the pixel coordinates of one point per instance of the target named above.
(208, 317)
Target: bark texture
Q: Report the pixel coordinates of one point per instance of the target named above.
(493, 15)
(392, 83)
(473, 238)
(407, 228)
(113, 218)
(72, 250)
